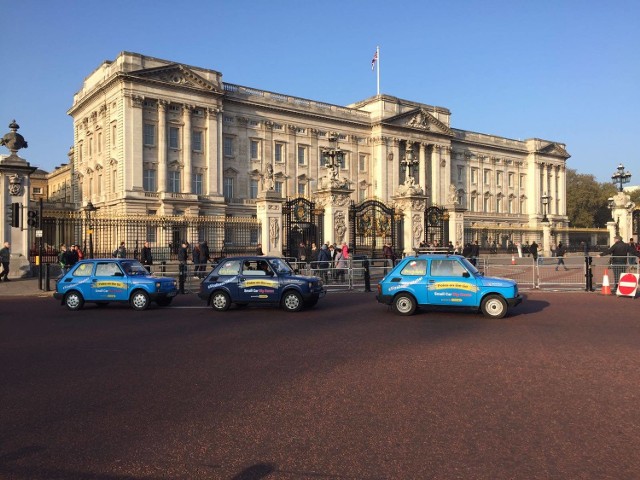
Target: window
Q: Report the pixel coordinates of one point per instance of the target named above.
(253, 189)
(196, 141)
(362, 163)
(278, 187)
(511, 205)
(114, 135)
(447, 268)
(254, 147)
(174, 181)
(487, 204)
(459, 173)
(302, 155)
(99, 142)
(114, 180)
(474, 175)
(510, 179)
(302, 189)
(499, 205)
(149, 135)
(196, 183)
(522, 181)
(108, 270)
(279, 152)
(474, 203)
(151, 233)
(498, 179)
(37, 190)
(90, 145)
(228, 188)
(174, 137)
(83, 270)
(362, 194)
(415, 268)
(228, 146)
(487, 177)
(149, 181)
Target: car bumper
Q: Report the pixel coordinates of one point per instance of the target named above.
(512, 302)
(386, 299)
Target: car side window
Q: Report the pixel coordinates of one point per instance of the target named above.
(415, 268)
(107, 269)
(83, 270)
(230, 267)
(446, 268)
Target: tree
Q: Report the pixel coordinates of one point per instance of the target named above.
(587, 200)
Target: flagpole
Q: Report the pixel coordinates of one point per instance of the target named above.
(378, 70)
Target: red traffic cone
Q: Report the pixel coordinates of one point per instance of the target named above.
(606, 288)
(513, 259)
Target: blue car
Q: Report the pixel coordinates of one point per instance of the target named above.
(106, 280)
(258, 280)
(442, 280)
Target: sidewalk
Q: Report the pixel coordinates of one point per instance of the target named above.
(25, 287)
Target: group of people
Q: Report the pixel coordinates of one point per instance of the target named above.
(69, 256)
(329, 257)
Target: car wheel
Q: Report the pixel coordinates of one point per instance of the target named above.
(494, 306)
(73, 300)
(220, 301)
(292, 301)
(139, 300)
(164, 302)
(404, 304)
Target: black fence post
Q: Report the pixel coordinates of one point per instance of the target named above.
(47, 277)
(588, 273)
(181, 278)
(367, 275)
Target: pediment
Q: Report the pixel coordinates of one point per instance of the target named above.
(420, 119)
(555, 149)
(177, 75)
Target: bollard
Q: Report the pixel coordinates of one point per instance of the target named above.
(181, 278)
(367, 275)
(47, 276)
(588, 273)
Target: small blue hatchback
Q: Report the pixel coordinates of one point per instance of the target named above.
(106, 280)
(441, 280)
(258, 280)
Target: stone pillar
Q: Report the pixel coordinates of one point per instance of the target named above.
(186, 150)
(15, 185)
(269, 212)
(422, 174)
(546, 238)
(336, 203)
(622, 217)
(435, 175)
(162, 145)
(412, 207)
(456, 225)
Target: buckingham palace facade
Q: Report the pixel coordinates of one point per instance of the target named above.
(156, 137)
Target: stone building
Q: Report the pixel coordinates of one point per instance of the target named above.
(156, 137)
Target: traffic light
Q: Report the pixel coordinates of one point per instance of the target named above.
(32, 221)
(15, 215)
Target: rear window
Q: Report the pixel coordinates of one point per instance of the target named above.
(415, 268)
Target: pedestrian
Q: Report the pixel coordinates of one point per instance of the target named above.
(560, 252)
(324, 260)
(302, 252)
(195, 256)
(146, 256)
(205, 254)
(533, 250)
(341, 265)
(73, 255)
(619, 252)
(259, 250)
(121, 251)
(5, 258)
(475, 253)
(389, 255)
(63, 258)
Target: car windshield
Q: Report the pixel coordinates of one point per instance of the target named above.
(280, 266)
(134, 268)
(470, 266)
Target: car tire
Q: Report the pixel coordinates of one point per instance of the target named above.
(164, 302)
(292, 301)
(220, 301)
(494, 306)
(74, 300)
(139, 300)
(404, 304)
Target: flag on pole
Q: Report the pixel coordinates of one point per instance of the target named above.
(374, 60)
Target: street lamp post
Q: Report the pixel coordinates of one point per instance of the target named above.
(545, 203)
(621, 177)
(88, 210)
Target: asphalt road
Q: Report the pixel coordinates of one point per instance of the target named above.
(345, 391)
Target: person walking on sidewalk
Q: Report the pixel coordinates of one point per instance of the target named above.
(5, 257)
(560, 252)
(533, 250)
(619, 252)
(147, 257)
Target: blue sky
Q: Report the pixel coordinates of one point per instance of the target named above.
(566, 71)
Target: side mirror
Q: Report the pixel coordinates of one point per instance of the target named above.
(466, 274)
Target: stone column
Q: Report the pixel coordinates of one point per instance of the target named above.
(186, 150)
(546, 238)
(162, 145)
(336, 203)
(435, 176)
(422, 174)
(412, 207)
(269, 212)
